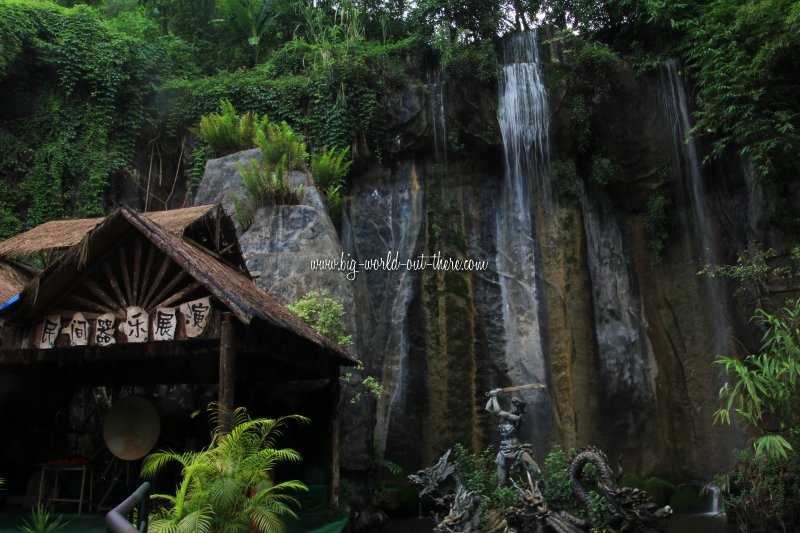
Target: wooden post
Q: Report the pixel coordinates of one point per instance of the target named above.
(335, 432)
(227, 373)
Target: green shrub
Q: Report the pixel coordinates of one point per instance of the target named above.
(763, 492)
(557, 490)
(230, 486)
(764, 390)
(280, 143)
(329, 167)
(228, 132)
(266, 185)
(41, 521)
(323, 313)
(329, 170)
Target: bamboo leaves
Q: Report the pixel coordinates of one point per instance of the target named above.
(765, 387)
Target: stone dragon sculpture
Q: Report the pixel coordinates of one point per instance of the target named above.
(629, 509)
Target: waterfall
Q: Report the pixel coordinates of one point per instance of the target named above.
(716, 500)
(691, 187)
(522, 112)
(627, 362)
(438, 117)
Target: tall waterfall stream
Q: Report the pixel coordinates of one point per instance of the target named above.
(523, 116)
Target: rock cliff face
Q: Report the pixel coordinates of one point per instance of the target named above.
(570, 294)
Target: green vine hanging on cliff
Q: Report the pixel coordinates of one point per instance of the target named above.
(75, 107)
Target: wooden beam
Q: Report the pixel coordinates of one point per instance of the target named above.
(137, 269)
(112, 280)
(171, 285)
(191, 287)
(123, 269)
(156, 281)
(89, 303)
(96, 290)
(144, 290)
(335, 432)
(227, 373)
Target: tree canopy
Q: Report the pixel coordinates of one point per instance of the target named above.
(100, 95)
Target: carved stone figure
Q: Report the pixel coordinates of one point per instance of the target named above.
(514, 456)
(629, 509)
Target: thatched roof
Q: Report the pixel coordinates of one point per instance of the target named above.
(64, 234)
(13, 278)
(234, 289)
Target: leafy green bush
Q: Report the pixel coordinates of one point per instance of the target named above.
(329, 170)
(228, 132)
(266, 185)
(82, 99)
(230, 486)
(323, 313)
(279, 143)
(557, 490)
(326, 315)
(765, 387)
(762, 492)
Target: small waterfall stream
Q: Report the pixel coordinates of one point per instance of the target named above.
(438, 116)
(690, 181)
(522, 112)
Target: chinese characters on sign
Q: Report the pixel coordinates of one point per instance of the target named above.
(51, 327)
(104, 330)
(195, 316)
(164, 324)
(137, 326)
(77, 330)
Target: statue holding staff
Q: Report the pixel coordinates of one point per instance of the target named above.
(514, 455)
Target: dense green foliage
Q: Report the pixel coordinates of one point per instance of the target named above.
(324, 314)
(228, 132)
(765, 387)
(266, 184)
(281, 145)
(75, 95)
(329, 170)
(762, 492)
(94, 97)
(230, 486)
(479, 472)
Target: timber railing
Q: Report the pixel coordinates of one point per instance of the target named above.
(120, 517)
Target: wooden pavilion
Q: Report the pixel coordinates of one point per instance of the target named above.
(154, 298)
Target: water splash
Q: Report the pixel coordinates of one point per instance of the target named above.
(522, 112)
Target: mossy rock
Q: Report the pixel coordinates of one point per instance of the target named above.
(687, 499)
(659, 490)
(631, 480)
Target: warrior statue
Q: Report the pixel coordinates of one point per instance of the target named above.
(514, 455)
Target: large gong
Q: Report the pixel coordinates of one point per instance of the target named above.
(131, 428)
